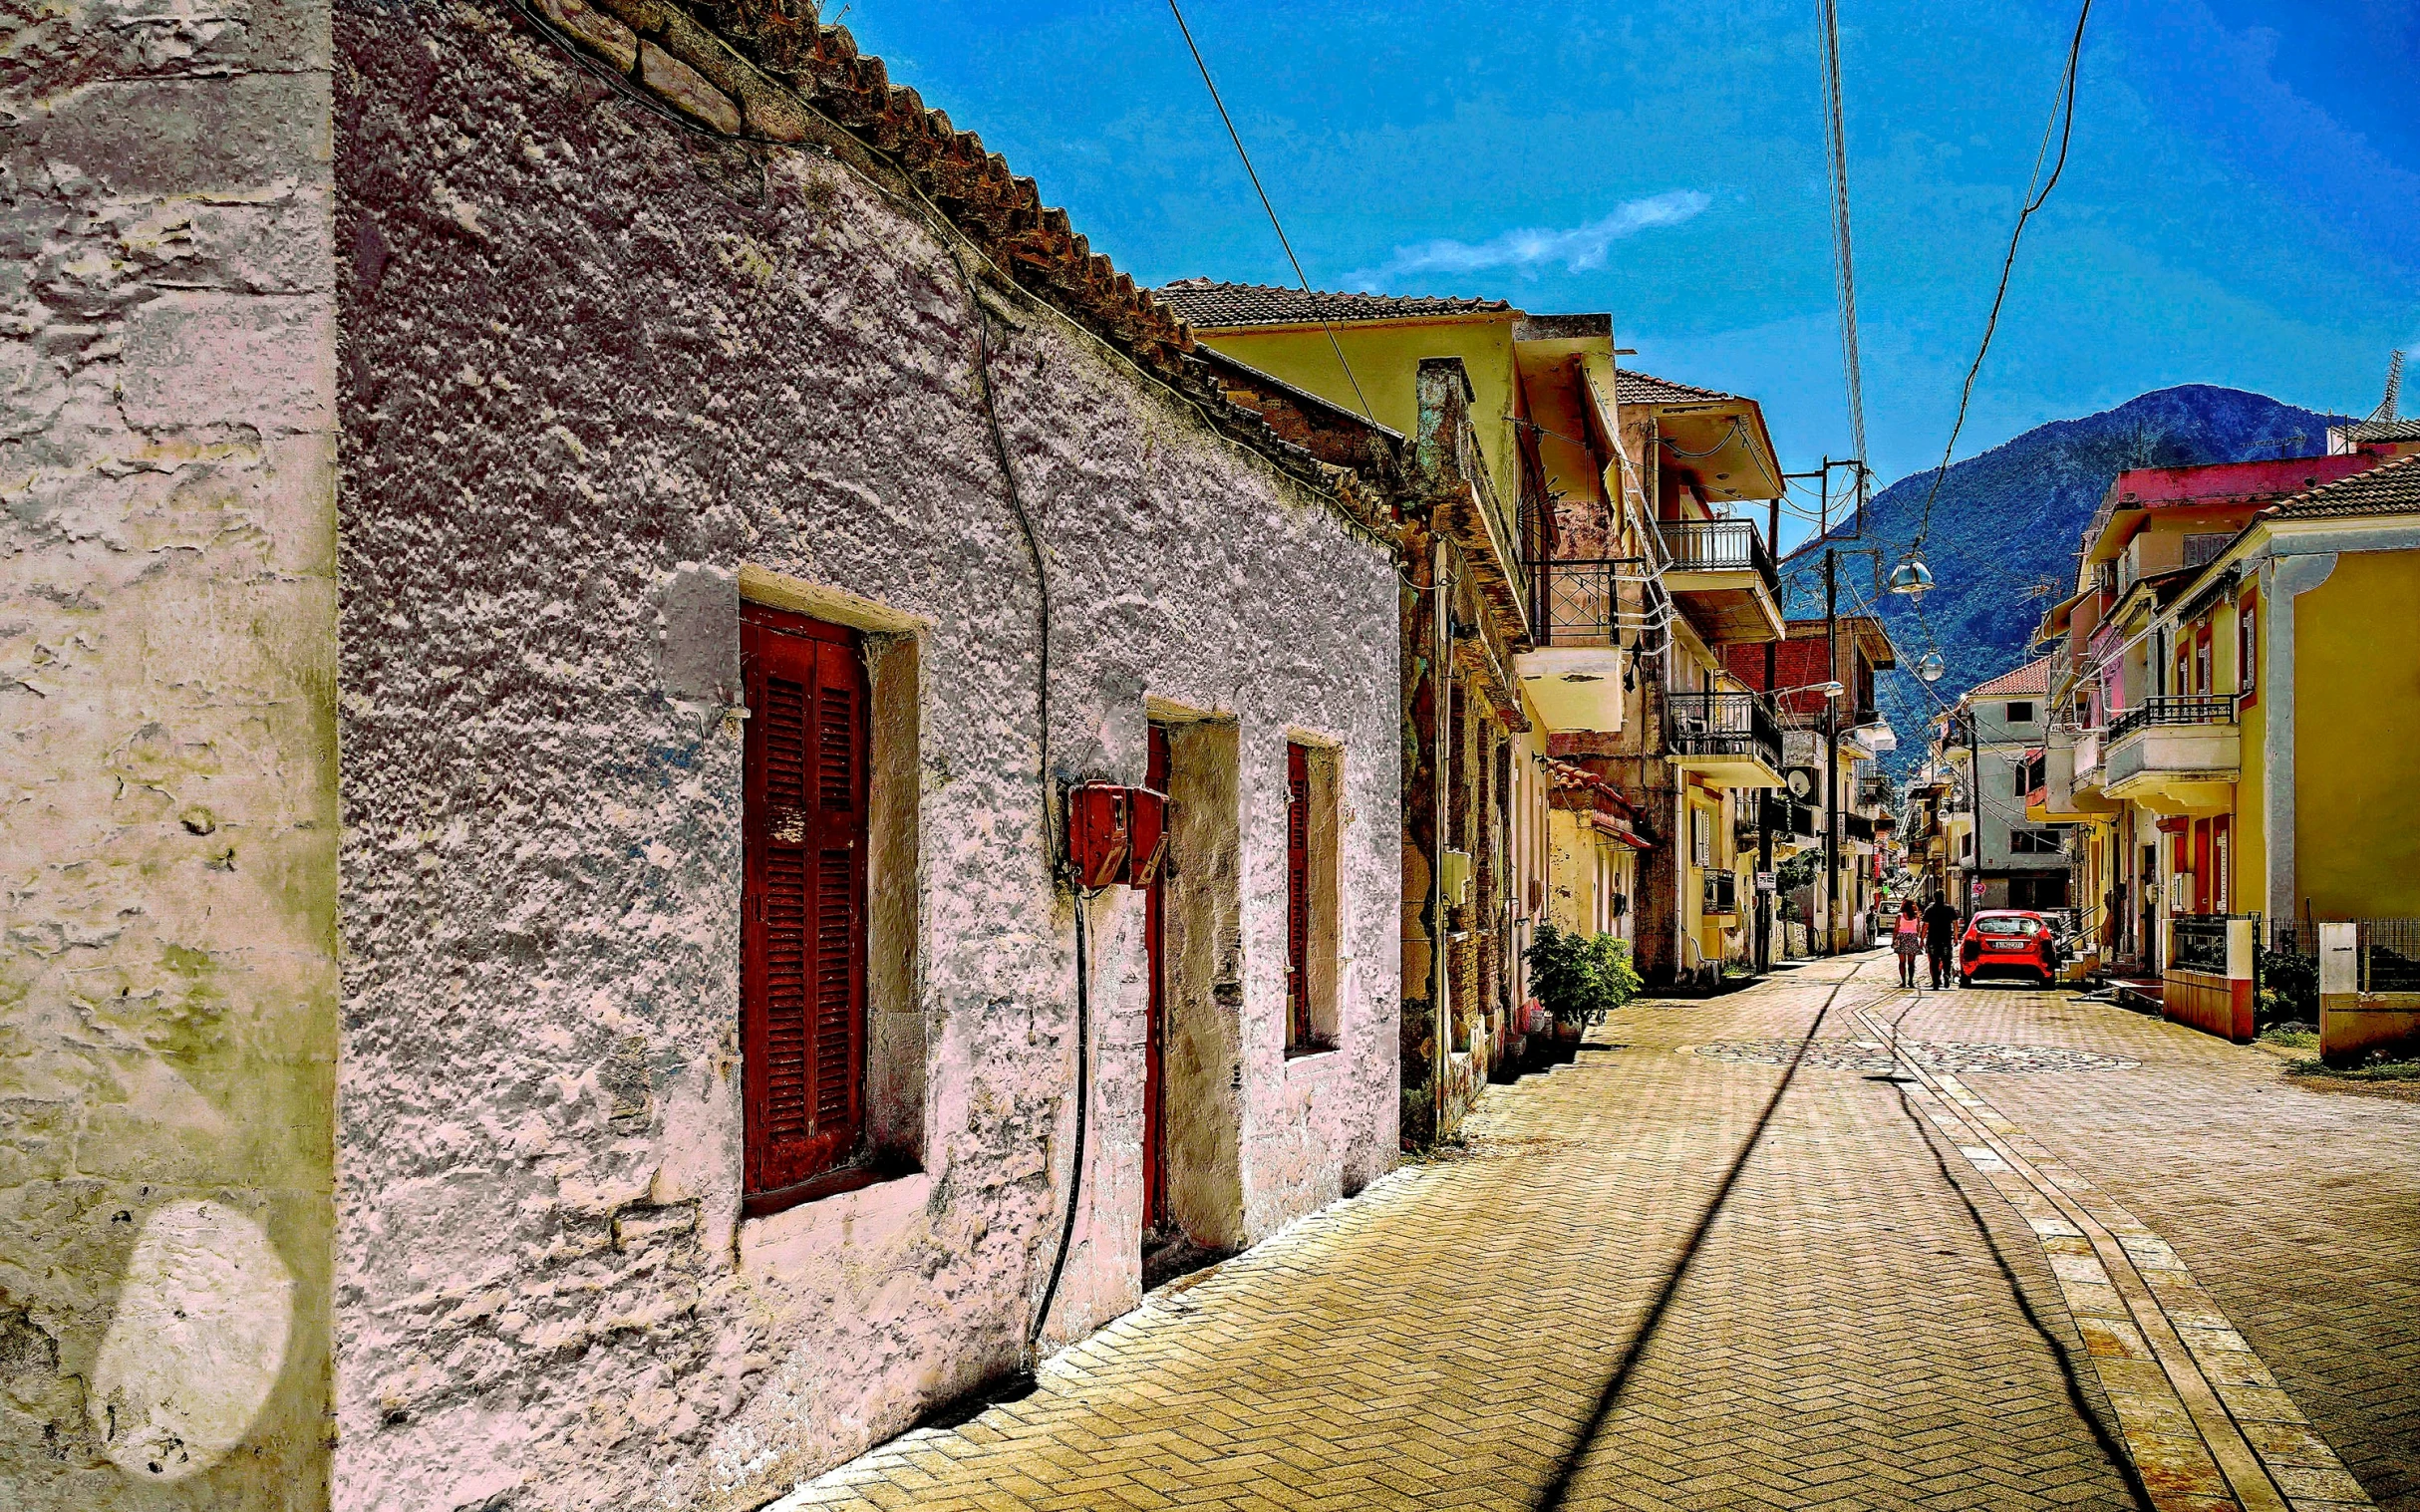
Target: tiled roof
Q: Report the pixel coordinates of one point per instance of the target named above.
(2033, 677)
(1207, 302)
(2393, 488)
(1646, 389)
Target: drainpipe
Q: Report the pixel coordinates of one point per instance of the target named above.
(1438, 969)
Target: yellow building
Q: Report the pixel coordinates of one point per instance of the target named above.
(2238, 686)
(1604, 536)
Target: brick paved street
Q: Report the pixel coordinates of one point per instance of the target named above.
(1865, 1321)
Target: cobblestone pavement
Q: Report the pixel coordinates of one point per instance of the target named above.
(1601, 1302)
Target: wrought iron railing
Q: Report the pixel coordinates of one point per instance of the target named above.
(2201, 941)
(1721, 892)
(1721, 724)
(2387, 951)
(1717, 545)
(1857, 826)
(1876, 791)
(1579, 603)
(2190, 708)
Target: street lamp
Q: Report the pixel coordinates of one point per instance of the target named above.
(1912, 577)
(1931, 667)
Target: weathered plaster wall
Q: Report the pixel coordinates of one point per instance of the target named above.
(596, 365)
(167, 841)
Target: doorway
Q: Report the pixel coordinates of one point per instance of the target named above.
(1155, 1031)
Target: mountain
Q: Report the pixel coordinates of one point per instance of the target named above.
(2006, 522)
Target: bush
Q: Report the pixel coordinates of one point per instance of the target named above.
(1580, 978)
(2289, 988)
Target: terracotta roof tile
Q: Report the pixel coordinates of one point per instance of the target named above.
(2393, 488)
(1647, 388)
(2033, 677)
(1209, 303)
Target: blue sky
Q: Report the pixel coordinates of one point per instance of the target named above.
(2242, 206)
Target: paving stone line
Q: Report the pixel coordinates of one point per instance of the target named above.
(2207, 1422)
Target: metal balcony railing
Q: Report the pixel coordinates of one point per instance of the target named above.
(1723, 724)
(1579, 603)
(1857, 826)
(1722, 893)
(2190, 709)
(1876, 791)
(1719, 545)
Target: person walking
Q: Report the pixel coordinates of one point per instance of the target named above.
(1908, 941)
(1940, 938)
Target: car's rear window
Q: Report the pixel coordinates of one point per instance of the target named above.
(2007, 926)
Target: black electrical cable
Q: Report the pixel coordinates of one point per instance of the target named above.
(1250, 172)
(1084, 1097)
(2076, 52)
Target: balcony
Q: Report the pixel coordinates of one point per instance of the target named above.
(1857, 826)
(1722, 895)
(2175, 756)
(2067, 794)
(1573, 677)
(1875, 790)
(1722, 578)
(1731, 739)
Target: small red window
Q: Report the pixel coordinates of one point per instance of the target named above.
(803, 929)
(1297, 896)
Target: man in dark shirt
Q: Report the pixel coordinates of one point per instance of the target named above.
(1941, 939)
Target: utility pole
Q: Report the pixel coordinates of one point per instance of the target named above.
(1768, 809)
(1831, 746)
(1975, 808)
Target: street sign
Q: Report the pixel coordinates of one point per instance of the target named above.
(1764, 881)
(1979, 890)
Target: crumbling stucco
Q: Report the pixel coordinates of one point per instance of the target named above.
(167, 843)
(596, 366)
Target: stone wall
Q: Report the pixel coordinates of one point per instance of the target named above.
(603, 372)
(167, 841)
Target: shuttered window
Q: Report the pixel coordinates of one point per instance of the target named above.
(803, 935)
(1297, 896)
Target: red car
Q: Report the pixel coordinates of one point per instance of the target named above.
(2012, 941)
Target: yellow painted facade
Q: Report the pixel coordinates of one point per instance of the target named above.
(2357, 739)
(1386, 357)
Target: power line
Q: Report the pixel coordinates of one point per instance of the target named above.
(2063, 105)
(1844, 265)
(1248, 172)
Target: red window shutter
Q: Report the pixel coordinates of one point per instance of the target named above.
(1297, 896)
(803, 956)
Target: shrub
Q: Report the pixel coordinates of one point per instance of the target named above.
(1581, 977)
(2289, 988)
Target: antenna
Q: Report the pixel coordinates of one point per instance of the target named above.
(2394, 387)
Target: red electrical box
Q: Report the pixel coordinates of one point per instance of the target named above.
(1150, 849)
(1100, 834)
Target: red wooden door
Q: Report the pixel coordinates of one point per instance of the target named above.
(803, 931)
(1297, 896)
(1156, 1035)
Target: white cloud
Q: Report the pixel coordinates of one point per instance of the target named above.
(1578, 249)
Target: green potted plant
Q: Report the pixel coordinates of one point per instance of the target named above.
(1580, 978)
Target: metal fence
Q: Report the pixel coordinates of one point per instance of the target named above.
(2386, 952)
(2201, 941)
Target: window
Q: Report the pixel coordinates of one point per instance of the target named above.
(1298, 894)
(802, 922)
(1701, 837)
(2020, 712)
(2248, 645)
(1310, 897)
(2033, 842)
